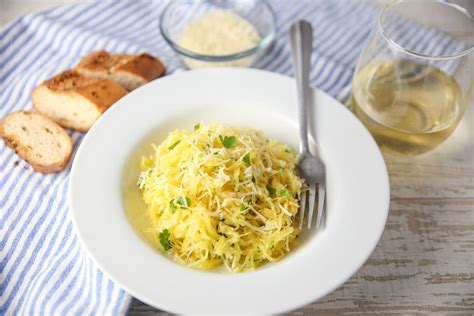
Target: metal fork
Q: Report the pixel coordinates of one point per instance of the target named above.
(309, 167)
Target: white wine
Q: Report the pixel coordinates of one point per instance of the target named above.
(408, 106)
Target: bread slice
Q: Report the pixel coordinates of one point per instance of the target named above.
(38, 140)
(75, 101)
(130, 71)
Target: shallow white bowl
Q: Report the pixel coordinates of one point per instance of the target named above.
(357, 199)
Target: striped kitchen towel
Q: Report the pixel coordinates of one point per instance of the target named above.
(43, 269)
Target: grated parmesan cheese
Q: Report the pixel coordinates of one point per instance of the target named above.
(219, 33)
(221, 196)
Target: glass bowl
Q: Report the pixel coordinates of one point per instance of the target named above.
(179, 13)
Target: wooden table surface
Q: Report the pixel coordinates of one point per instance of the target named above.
(424, 262)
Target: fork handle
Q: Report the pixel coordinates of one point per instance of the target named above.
(301, 41)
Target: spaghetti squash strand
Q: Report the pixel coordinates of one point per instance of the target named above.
(224, 196)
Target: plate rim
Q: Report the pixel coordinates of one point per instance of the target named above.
(133, 292)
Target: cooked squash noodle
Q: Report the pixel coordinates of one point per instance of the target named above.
(222, 196)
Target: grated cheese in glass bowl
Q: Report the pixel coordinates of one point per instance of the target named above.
(219, 33)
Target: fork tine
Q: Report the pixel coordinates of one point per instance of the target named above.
(321, 196)
(302, 207)
(312, 198)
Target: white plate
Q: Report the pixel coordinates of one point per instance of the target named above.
(357, 200)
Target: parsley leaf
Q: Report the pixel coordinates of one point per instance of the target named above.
(287, 150)
(227, 141)
(285, 193)
(243, 207)
(141, 180)
(183, 202)
(197, 126)
(271, 191)
(253, 179)
(164, 237)
(246, 159)
(172, 207)
(174, 145)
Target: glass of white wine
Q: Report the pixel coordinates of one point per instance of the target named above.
(414, 77)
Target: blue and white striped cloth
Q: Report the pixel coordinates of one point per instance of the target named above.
(43, 269)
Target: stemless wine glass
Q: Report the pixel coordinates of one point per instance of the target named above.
(414, 77)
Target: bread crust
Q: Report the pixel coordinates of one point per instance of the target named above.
(100, 61)
(143, 65)
(102, 93)
(104, 64)
(24, 152)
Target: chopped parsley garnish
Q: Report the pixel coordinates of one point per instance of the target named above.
(173, 207)
(253, 179)
(246, 159)
(164, 237)
(285, 193)
(227, 141)
(243, 207)
(197, 126)
(287, 150)
(183, 202)
(271, 191)
(141, 181)
(174, 145)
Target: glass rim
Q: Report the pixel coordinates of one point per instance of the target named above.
(263, 43)
(418, 54)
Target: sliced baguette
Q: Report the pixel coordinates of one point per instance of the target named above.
(74, 101)
(130, 71)
(38, 140)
